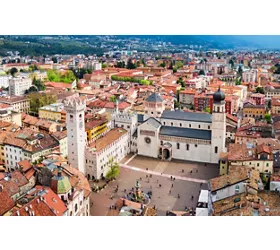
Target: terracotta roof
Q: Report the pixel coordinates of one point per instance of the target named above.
(6, 202)
(107, 139)
(238, 175)
(239, 152)
(25, 165)
(61, 85)
(263, 149)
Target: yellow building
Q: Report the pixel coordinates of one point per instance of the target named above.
(259, 158)
(53, 112)
(223, 163)
(255, 111)
(96, 127)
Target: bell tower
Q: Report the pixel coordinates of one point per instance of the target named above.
(218, 128)
(76, 135)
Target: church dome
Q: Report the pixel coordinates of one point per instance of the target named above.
(219, 96)
(60, 184)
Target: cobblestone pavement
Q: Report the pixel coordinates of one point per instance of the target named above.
(161, 196)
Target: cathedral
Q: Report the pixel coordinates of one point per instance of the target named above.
(189, 136)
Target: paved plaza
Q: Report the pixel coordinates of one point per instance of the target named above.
(185, 187)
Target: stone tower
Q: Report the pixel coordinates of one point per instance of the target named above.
(218, 126)
(76, 135)
(153, 106)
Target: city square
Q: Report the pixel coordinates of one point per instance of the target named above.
(164, 196)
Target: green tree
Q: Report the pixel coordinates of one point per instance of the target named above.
(201, 72)
(170, 65)
(162, 65)
(40, 86)
(207, 110)
(239, 71)
(179, 64)
(269, 104)
(267, 117)
(114, 170)
(38, 100)
(176, 104)
(56, 76)
(231, 62)
(113, 98)
(192, 106)
(145, 82)
(130, 64)
(120, 64)
(104, 65)
(260, 90)
(13, 71)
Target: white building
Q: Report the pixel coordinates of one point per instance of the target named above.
(185, 135)
(202, 204)
(4, 81)
(18, 85)
(115, 145)
(250, 75)
(75, 112)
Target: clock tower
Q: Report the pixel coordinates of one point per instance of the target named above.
(76, 135)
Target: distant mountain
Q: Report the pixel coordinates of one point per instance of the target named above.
(219, 41)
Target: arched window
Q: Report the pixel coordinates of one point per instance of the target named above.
(71, 117)
(171, 123)
(76, 207)
(188, 147)
(80, 116)
(180, 124)
(178, 145)
(198, 126)
(216, 150)
(218, 109)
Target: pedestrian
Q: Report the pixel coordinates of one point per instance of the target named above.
(140, 178)
(191, 171)
(159, 185)
(192, 197)
(172, 185)
(178, 196)
(146, 168)
(170, 191)
(183, 170)
(146, 176)
(197, 170)
(171, 177)
(150, 175)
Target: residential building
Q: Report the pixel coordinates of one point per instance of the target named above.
(186, 97)
(4, 81)
(255, 111)
(61, 137)
(115, 145)
(19, 103)
(275, 105)
(54, 112)
(27, 144)
(258, 98)
(19, 85)
(96, 126)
